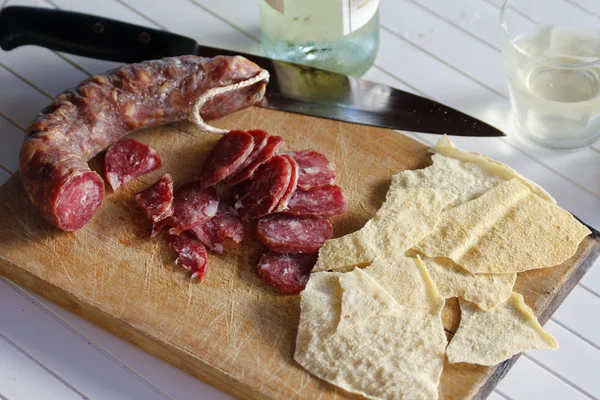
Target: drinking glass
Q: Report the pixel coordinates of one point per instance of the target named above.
(552, 60)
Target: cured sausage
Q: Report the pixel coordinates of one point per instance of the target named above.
(289, 234)
(191, 254)
(291, 187)
(157, 200)
(286, 273)
(325, 201)
(128, 159)
(192, 206)
(83, 121)
(226, 224)
(273, 143)
(227, 156)
(315, 170)
(266, 188)
(260, 142)
(159, 226)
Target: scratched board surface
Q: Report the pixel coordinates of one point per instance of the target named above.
(231, 330)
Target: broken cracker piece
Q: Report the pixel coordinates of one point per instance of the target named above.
(406, 217)
(508, 229)
(490, 337)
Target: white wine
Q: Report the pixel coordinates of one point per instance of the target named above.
(555, 103)
(338, 35)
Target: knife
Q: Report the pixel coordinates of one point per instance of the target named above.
(294, 88)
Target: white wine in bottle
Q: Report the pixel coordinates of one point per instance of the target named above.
(338, 35)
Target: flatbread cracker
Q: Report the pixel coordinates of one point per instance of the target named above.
(406, 217)
(486, 290)
(446, 147)
(379, 349)
(320, 306)
(408, 282)
(490, 337)
(466, 180)
(508, 229)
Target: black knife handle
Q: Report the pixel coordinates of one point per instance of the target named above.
(88, 35)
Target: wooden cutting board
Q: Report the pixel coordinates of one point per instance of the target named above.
(231, 331)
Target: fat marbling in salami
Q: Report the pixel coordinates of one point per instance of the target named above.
(225, 225)
(286, 273)
(157, 200)
(128, 159)
(325, 201)
(266, 188)
(315, 170)
(273, 143)
(230, 152)
(290, 234)
(191, 254)
(192, 206)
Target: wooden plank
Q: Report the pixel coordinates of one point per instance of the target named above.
(578, 363)
(527, 380)
(231, 330)
(175, 383)
(66, 355)
(12, 138)
(21, 377)
(20, 101)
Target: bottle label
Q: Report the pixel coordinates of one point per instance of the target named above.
(356, 13)
(302, 20)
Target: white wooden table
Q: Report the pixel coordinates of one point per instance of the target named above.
(445, 49)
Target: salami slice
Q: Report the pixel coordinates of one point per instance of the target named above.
(241, 190)
(260, 142)
(266, 188)
(286, 273)
(191, 254)
(128, 159)
(273, 143)
(192, 206)
(315, 170)
(289, 234)
(326, 201)
(227, 156)
(291, 187)
(160, 225)
(157, 200)
(226, 224)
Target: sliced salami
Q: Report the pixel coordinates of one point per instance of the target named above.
(273, 143)
(191, 254)
(291, 187)
(241, 190)
(326, 201)
(260, 142)
(157, 200)
(228, 154)
(128, 159)
(225, 225)
(286, 273)
(290, 234)
(157, 227)
(315, 170)
(192, 206)
(266, 188)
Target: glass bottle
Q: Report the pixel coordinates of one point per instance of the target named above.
(338, 35)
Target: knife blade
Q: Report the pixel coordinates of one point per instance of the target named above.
(293, 87)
